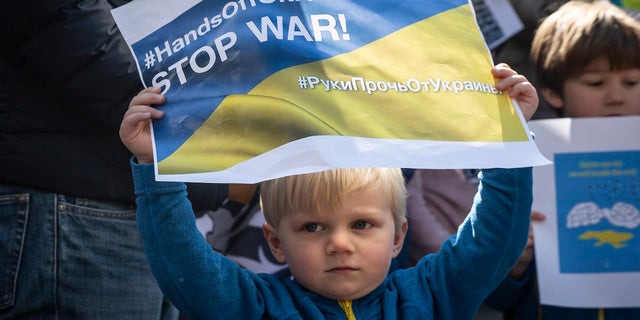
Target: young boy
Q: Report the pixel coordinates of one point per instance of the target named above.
(337, 230)
(587, 59)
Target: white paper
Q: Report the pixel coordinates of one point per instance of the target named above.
(607, 154)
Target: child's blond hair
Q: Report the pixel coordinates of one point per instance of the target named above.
(314, 193)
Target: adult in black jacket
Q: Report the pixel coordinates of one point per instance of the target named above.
(68, 241)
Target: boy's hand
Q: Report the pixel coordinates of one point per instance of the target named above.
(135, 131)
(518, 88)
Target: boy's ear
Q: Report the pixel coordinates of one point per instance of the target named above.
(271, 234)
(554, 99)
(398, 240)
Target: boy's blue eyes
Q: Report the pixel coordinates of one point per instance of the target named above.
(314, 227)
(361, 225)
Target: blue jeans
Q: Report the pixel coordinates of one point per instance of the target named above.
(63, 257)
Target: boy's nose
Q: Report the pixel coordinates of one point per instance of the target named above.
(339, 242)
(615, 95)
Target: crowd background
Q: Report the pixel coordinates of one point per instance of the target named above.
(67, 215)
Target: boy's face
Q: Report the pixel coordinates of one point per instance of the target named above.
(599, 92)
(342, 254)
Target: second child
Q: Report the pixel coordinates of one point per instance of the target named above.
(587, 60)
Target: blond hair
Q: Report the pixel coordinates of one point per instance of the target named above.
(316, 192)
(580, 32)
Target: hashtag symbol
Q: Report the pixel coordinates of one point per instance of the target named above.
(302, 82)
(149, 59)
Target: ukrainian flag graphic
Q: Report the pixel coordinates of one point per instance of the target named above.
(246, 81)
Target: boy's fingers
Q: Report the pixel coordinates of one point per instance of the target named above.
(149, 113)
(503, 70)
(143, 108)
(511, 80)
(150, 89)
(131, 122)
(134, 117)
(147, 98)
(537, 216)
(137, 114)
(520, 88)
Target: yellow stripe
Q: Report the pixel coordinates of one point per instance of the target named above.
(600, 314)
(347, 308)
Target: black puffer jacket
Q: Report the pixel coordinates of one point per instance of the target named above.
(66, 79)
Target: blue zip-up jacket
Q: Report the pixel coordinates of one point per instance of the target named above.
(451, 284)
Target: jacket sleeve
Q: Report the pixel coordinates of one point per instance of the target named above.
(196, 279)
(470, 265)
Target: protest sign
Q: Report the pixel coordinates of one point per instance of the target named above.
(588, 248)
(258, 89)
